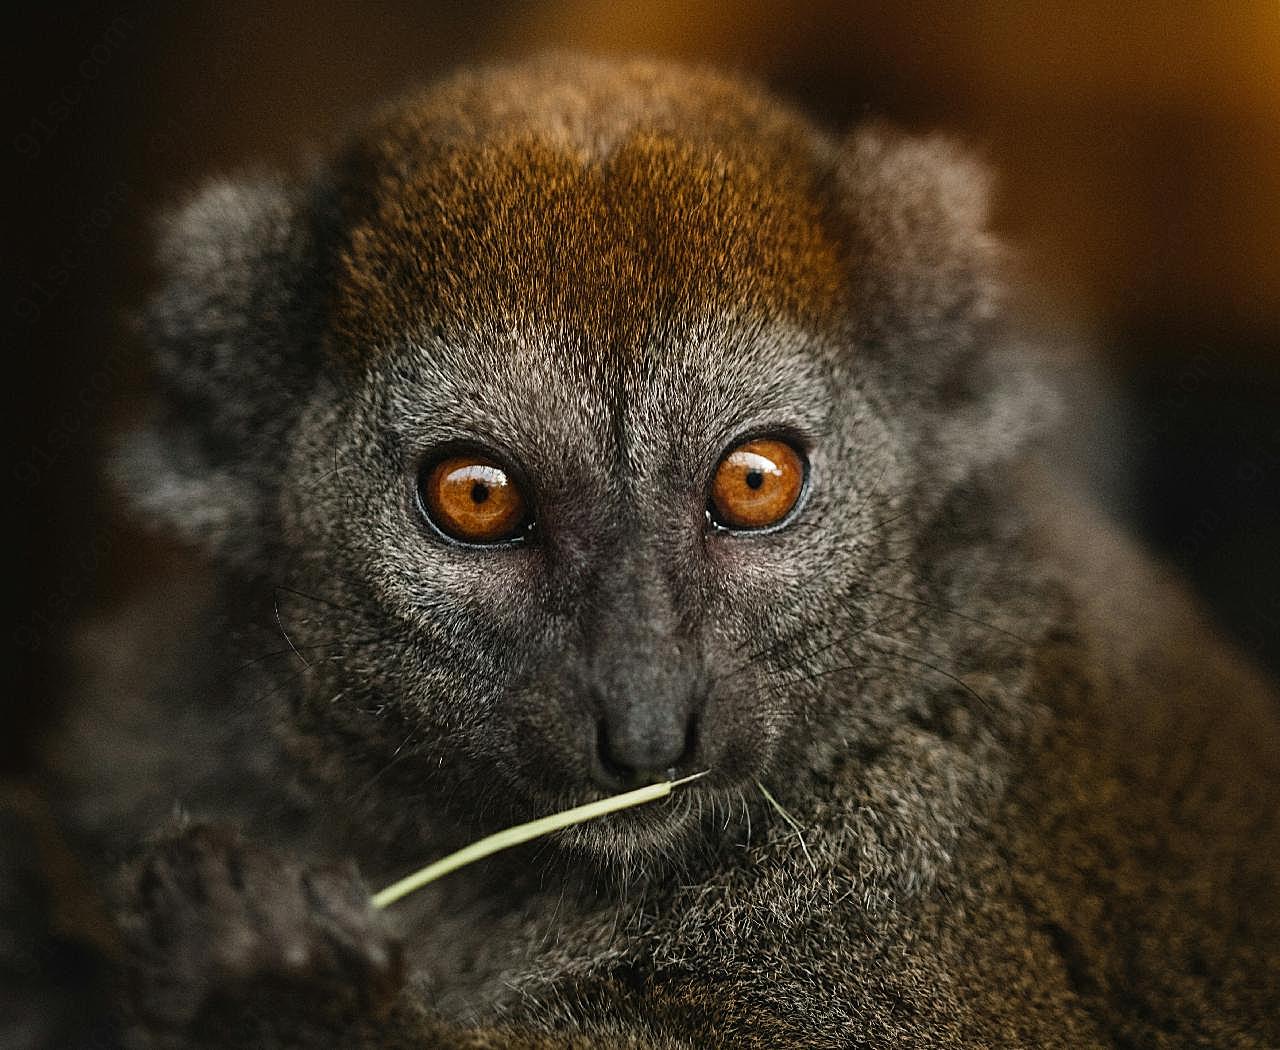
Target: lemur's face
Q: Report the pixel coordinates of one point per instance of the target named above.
(604, 566)
(603, 485)
(611, 472)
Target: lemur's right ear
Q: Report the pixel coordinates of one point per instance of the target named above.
(235, 333)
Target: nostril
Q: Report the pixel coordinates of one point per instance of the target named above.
(631, 761)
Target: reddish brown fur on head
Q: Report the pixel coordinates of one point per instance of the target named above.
(622, 202)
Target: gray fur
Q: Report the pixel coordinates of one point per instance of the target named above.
(1037, 794)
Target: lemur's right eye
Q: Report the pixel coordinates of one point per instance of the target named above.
(473, 499)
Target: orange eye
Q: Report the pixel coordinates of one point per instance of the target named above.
(473, 499)
(756, 484)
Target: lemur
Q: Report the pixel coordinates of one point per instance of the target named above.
(581, 423)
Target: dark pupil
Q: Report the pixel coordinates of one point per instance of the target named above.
(479, 492)
(754, 479)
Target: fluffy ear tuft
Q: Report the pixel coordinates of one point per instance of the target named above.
(234, 332)
(929, 317)
(169, 481)
(924, 265)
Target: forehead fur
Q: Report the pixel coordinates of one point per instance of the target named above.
(608, 198)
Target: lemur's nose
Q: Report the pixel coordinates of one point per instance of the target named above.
(643, 676)
(632, 752)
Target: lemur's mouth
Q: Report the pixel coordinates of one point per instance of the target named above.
(578, 816)
(648, 833)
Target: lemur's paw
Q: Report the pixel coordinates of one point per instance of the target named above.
(213, 920)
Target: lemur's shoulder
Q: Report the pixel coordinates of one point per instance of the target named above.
(1145, 820)
(1140, 621)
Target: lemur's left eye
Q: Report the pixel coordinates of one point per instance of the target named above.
(473, 499)
(756, 484)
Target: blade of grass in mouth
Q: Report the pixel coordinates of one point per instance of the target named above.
(524, 833)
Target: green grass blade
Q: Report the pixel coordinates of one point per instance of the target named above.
(524, 833)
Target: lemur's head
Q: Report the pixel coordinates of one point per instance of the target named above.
(582, 417)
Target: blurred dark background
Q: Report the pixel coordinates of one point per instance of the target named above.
(1138, 144)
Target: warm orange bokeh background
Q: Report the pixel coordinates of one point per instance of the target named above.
(1139, 143)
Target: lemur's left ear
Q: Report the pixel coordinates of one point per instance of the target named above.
(923, 259)
(929, 279)
(235, 339)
